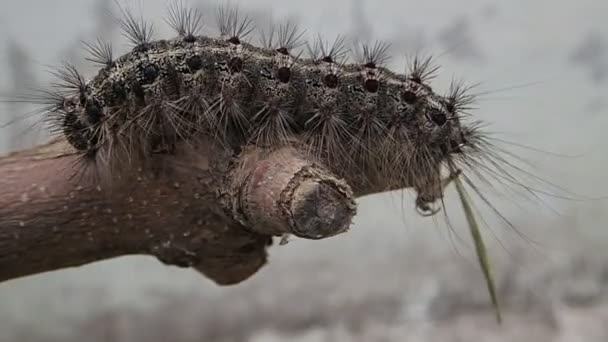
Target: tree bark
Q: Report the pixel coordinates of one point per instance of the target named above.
(203, 207)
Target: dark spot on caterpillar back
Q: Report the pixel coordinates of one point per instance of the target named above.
(195, 63)
(190, 39)
(331, 81)
(409, 97)
(372, 85)
(439, 118)
(327, 59)
(284, 74)
(150, 73)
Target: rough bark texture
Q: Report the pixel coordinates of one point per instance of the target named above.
(201, 208)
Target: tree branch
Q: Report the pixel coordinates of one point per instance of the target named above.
(203, 207)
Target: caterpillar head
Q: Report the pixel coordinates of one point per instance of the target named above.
(443, 139)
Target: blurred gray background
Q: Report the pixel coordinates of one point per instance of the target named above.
(543, 73)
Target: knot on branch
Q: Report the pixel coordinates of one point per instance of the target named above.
(316, 204)
(280, 192)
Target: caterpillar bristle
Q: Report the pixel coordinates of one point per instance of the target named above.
(267, 36)
(231, 122)
(374, 56)
(187, 22)
(459, 98)
(289, 37)
(196, 110)
(321, 51)
(70, 81)
(135, 29)
(100, 52)
(283, 38)
(273, 127)
(326, 136)
(232, 25)
(422, 70)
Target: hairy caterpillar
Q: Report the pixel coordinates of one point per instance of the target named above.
(164, 91)
(358, 117)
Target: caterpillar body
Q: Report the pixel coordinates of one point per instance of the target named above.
(359, 118)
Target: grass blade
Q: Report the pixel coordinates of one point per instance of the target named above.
(480, 247)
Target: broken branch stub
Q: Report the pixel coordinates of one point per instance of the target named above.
(281, 192)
